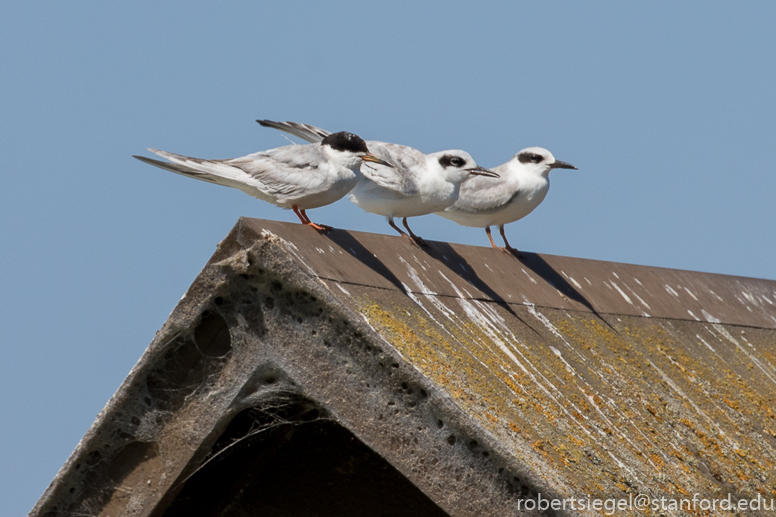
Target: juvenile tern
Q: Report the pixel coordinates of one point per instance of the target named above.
(522, 185)
(299, 177)
(412, 184)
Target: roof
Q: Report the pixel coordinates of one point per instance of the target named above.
(469, 379)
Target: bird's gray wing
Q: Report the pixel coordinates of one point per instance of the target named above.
(406, 164)
(405, 160)
(481, 194)
(213, 171)
(304, 131)
(286, 172)
(178, 169)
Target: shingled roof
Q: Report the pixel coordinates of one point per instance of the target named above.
(347, 373)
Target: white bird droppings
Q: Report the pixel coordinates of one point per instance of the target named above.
(576, 284)
(529, 276)
(622, 293)
(705, 343)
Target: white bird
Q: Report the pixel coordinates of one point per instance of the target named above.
(522, 185)
(299, 177)
(413, 184)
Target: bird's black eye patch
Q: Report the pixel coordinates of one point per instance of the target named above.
(530, 158)
(450, 160)
(344, 141)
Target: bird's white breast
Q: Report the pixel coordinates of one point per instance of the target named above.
(326, 185)
(433, 193)
(526, 200)
(501, 201)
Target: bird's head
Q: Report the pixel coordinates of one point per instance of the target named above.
(539, 161)
(457, 165)
(349, 150)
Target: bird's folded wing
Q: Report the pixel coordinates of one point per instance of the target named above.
(406, 163)
(178, 169)
(213, 171)
(480, 194)
(304, 131)
(286, 171)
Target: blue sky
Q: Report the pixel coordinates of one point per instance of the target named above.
(667, 109)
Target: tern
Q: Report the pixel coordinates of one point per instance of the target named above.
(412, 184)
(299, 177)
(522, 185)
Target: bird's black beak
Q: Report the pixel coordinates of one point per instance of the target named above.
(482, 171)
(562, 165)
(369, 157)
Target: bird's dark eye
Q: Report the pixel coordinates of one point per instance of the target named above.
(530, 158)
(452, 161)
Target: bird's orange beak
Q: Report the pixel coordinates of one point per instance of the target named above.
(369, 157)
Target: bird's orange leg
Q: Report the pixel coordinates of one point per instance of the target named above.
(401, 232)
(418, 239)
(306, 220)
(492, 244)
(509, 248)
(299, 215)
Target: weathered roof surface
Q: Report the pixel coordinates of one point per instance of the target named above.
(480, 378)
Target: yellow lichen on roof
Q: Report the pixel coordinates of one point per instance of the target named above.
(631, 404)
